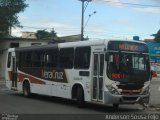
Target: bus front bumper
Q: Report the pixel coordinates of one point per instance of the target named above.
(123, 99)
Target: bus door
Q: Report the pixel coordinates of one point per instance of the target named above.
(98, 77)
(14, 73)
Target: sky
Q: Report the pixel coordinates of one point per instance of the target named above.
(114, 19)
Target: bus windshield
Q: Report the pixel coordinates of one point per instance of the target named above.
(128, 67)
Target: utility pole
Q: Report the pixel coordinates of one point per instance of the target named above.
(82, 21)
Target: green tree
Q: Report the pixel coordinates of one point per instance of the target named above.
(8, 14)
(43, 34)
(157, 36)
(53, 34)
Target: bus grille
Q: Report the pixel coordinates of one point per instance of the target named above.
(131, 92)
(129, 87)
(130, 98)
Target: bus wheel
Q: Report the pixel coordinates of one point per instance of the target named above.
(26, 89)
(80, 97)
(115, 106)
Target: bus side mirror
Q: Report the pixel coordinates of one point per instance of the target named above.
(107, 56)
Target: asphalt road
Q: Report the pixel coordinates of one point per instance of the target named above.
(14, 103)
(155, 92)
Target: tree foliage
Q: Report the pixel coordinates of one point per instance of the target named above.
(8, 14)
(157, 36)
(43, 34)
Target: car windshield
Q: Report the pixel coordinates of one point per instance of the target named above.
(127, 67)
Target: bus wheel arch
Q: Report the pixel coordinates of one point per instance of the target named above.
(78, 94)
(26, 88)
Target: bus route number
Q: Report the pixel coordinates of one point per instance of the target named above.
(117, 75)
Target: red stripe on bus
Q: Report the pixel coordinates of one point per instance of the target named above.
(32, 79)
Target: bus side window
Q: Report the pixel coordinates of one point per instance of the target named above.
(21, 59)
(66, 58)
(36, 59)
(9, 60)
(82, 58)
(27, 59)
(51, 57)
(42, 59)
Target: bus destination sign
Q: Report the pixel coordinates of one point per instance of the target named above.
(123, 46)
(127, 46)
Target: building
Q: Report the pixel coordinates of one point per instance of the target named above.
(154, 52)
(15, 42)
(70, 38)
(29, 35)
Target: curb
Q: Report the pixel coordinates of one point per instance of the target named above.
(154, 107)
(156, 78)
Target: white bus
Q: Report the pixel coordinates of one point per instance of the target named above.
(103, 72)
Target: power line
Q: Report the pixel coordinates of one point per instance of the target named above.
(132, 4)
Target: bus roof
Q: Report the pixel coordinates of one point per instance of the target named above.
(70, 44)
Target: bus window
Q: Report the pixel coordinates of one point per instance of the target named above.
(24, 59)
(51, 57)
(19, 59)
(66, 57)
(82, 57)
(36, 59)
(9, 60)
(27, 59)
(42, 59)
(127, 65)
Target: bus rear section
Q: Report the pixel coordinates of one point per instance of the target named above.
(11, 70)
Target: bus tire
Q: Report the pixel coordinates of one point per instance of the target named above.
(26, 89)
(80, 97)
(115, 106)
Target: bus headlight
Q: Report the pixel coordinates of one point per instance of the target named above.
(112, 89)
(145, 90)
